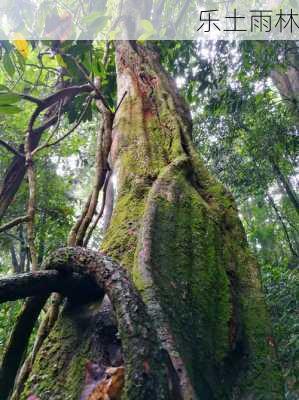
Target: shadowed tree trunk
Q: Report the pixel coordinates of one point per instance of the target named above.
(177, 232)
(287, 81)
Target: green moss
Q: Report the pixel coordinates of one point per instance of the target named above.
(59, 369)
(262, 376)
(121, 238)
(189, 275)
(196, 244)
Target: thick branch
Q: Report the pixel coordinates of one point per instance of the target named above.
(45, 282)
(30, 98)
(31, 203)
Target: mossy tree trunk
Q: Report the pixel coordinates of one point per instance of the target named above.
(177, 231)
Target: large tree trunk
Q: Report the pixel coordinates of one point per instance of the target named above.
(177, 231)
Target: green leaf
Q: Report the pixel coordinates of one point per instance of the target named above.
(9, 98)
(8, 65)
(8, 109)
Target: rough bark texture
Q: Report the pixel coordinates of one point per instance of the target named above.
(18, 342)
(287, 81)
(177, 232)
(45, 282)
(146, 368)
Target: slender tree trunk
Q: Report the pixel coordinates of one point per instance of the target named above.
(14, 259)
(283, 225)
(286, 184)
(176, 230)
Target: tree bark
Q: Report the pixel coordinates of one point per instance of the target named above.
(283, 225)
(18, 342)
(286, 184)
(146, 363)
(177, 232)
(46, 282)
(287, 82)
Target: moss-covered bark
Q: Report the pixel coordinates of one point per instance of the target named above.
(177, 231)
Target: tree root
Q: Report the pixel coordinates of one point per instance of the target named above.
(146, 367)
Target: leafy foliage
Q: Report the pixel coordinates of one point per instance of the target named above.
(281, 287)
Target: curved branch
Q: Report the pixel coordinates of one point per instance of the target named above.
(29, 98)
(68, 133)
(145, 361)
(45, 282)
(147, 369)
(55, 98)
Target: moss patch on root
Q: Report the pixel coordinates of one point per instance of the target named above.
(59, 369)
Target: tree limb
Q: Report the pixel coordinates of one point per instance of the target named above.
(10, 148)
(68, 133)
(101, 212)
(16, 171)
(30, 98)
(62, 94)
(39, 283)
(15, 222)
